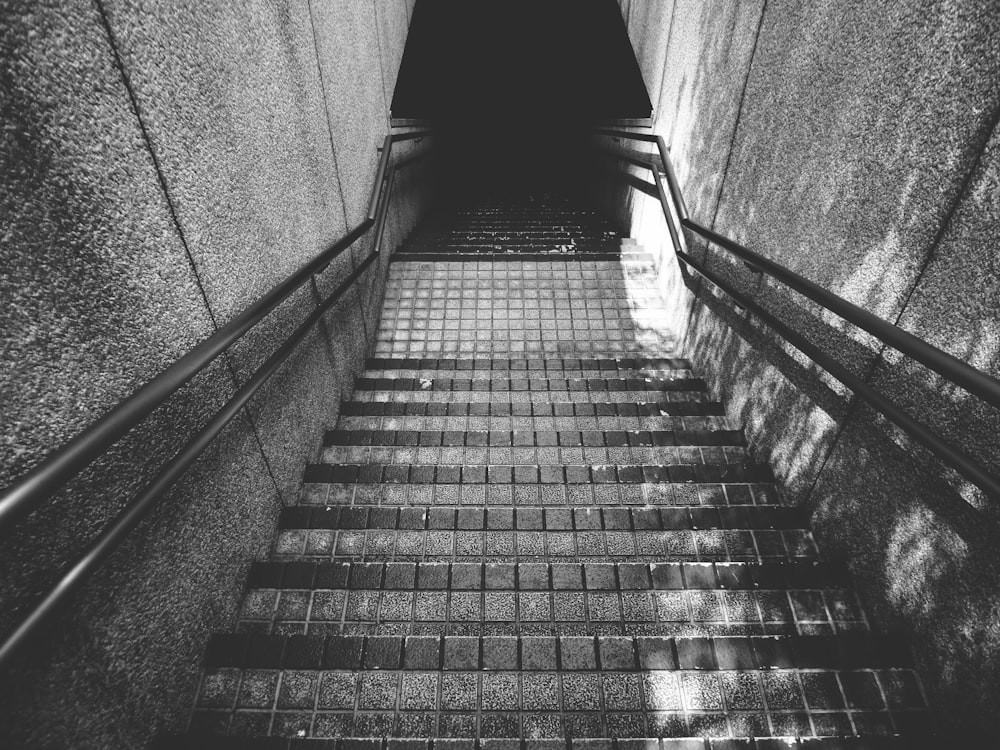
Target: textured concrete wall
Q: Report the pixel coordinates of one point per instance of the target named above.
(855, 143)
(164, 165)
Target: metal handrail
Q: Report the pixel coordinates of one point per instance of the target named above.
(38, 485)
(954, 370)
(59, 467)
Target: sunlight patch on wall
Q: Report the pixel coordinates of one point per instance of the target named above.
(919, 551)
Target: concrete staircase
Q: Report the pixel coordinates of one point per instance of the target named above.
(532, 526)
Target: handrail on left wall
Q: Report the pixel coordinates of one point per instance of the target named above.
(38, 485)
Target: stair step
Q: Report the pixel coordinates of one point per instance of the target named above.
(535, 366)
(450, 424)
(507, 375)
(405, 395)
(494, 518)
(546, 456)
(429, 545)
(531, 438)
(539, 409)
(844, 651)
(669, 599)
(517, 237)
(518, 225)
(916, 725)
(657, 576)
(582, 685)
(533, 384)
(550, 495)
(510, 245)
(486, 232)
(520, 447)
(535, 474)
(505, 256)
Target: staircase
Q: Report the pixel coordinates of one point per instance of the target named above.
(533, 526)
(534, 227)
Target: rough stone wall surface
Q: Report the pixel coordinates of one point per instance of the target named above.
(165, 164)
(857, 145)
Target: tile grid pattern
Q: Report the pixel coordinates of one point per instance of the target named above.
(532, 527)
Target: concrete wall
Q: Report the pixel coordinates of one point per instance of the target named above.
(165, 164)
(855, 143)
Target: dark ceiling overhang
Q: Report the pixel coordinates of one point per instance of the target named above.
(519, 59)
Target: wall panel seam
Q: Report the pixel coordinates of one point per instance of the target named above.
(175, 220)
(329, 125)
(946, 221)
(381, 62)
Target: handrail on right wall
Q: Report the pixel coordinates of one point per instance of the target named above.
(954, 370)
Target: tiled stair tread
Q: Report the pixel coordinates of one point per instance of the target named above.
(431, 374)
(538, 224)
(538, 474)
(493, 226)
(533, 408)
(508, 256)
(534, 438)
(684, 613)
(511, 240)
(458, 226)
(376, 545)
(631, 258)
(518, 233)
(550, 495)
(539, 518)
(513, 233)
(530, 384)
(512, 237)
(534, 424)
(886, 742)
(444, 455)
(580, 395)
(513, 230)
(660, 576)
(845, 651)
(534, 365)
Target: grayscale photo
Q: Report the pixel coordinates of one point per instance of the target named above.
(499, 374)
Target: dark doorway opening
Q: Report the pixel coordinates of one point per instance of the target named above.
(512, 88)
(510, 60)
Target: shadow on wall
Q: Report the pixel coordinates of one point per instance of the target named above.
(925, 562)
(920, 543)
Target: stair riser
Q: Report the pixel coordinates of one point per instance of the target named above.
(533, 423)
